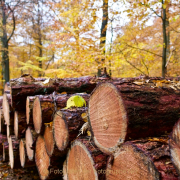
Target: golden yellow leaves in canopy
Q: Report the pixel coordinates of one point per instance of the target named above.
(75, 101)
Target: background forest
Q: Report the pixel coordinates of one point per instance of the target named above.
(72, 38)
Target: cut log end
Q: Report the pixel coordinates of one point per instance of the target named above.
(80, 164)
(22, 153)
(60, 129)
(27, 110)
(37, 115)
(29, 142)
(16, 122)
(174, 143)
(49, 139)
(6, 109)
(41, 158)
(131, 163)
(108, 117)
(11, 153)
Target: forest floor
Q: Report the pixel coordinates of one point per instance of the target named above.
(18, 173)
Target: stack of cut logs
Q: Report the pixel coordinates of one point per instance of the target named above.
(128, 130)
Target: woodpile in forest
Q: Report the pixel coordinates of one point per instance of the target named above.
(126, 128)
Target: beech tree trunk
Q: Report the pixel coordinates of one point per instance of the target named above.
(66, 126)
(129, 111)
(84, 160)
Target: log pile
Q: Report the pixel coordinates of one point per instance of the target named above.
(122, 133)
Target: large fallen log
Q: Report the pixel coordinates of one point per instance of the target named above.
(129, 111)
(174, 144)
(147, 159)
(84, 160)
(157, 149)
(66, 126)
(44, 108)
(28, 86)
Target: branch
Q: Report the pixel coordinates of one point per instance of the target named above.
(152, 10)
(14, 25)
(174, 29)
(169, 57)
(143, 50)
(49, 63)
(12, 10)
(131, 63)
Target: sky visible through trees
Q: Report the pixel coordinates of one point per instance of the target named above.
(72, 38)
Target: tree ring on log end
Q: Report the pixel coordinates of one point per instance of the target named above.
(29, 142)
(6, 109)
(16, 121)
(22, 153)
(49, 139)
(37, 115)
(11, 153)
(41, 158)
(174, 145)
(27, 110)
(60, 131)
(131, 163)
(107, 117)
(80, 164)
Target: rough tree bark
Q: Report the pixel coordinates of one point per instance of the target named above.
(174, 144)
(128, 111)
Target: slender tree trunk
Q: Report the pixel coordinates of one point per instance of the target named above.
(4, 41)
(40, 39)
(164, 54)
(167, 34)
(103, 35)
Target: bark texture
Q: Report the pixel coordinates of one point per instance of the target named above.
(128, 111)
(28, 86)
(174, 144)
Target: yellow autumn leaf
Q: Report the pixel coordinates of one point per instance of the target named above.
(75, 101)
(88, 133)
(84, 117)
